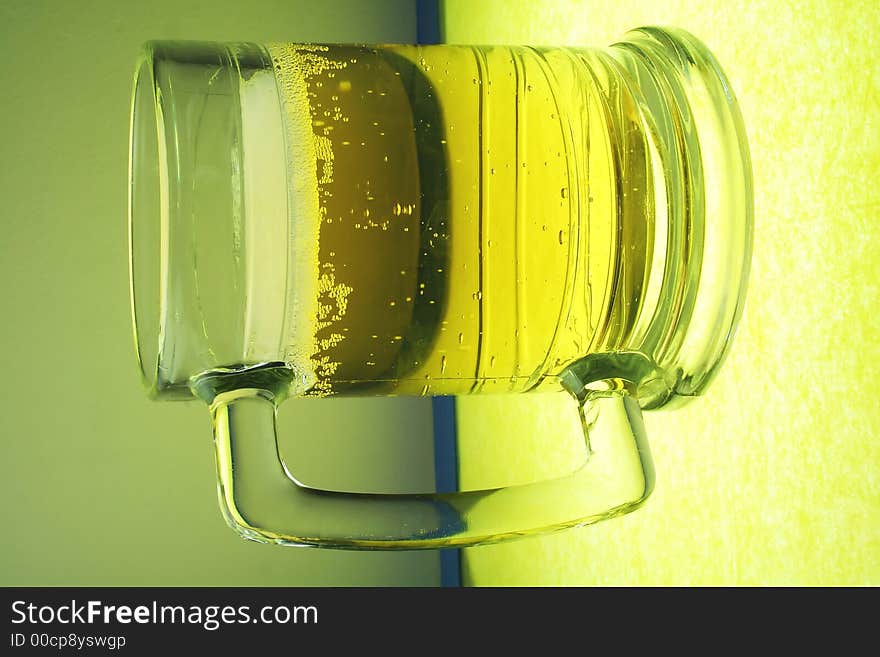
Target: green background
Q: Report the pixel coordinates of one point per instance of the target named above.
(100, 485)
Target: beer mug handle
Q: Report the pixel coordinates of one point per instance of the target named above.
(262, 500)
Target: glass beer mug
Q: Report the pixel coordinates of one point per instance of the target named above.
(323, 220)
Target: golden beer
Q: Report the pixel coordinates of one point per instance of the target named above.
(458, 228)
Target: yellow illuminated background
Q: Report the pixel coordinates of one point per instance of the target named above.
(772, 477)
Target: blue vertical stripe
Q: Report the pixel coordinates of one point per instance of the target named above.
(428, 21)
(445, 448)
(446, 475)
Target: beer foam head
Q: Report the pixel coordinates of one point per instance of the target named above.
(309, 159)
